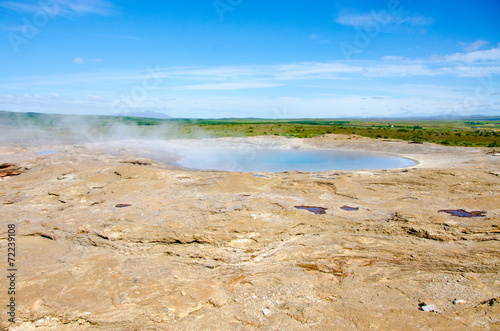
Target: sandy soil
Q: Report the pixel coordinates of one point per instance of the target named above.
(121, 242)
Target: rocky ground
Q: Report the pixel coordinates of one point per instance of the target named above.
(121, 242)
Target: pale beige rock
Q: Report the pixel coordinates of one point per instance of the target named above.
(215, 250)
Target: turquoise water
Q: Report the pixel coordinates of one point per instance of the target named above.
(279, 160)
(47, 152)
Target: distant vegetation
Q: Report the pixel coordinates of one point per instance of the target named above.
(480, 132)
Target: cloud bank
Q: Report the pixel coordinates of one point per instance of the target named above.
(459, 83)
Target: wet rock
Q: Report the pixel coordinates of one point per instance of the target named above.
(491, 302)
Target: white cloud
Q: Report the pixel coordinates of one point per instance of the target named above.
(99, 7)
(346, 105)
(393, 58)
(79, 60)
(475, 45)
(95, 98)
(314, 70)
(382, 19)
(350, 88)
(488, 55)
(20, 7)
(319, 39)
(481, 63)
(227, 86)
(64, 8)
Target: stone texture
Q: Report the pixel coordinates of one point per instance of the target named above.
(215, 250)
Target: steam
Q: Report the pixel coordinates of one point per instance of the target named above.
(25, 130)
(163, 142)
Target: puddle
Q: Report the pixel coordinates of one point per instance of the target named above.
(46, 152)
(260, 176)
(123, 205)
(349, 208)
(315, 210)
(463, 213)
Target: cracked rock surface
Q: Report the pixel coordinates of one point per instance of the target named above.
(125, 243)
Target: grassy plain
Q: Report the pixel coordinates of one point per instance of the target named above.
(456, 132)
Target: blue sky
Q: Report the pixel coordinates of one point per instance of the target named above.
(251, 58)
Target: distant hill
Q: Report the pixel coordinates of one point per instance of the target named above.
(144, 114)
(159, 116)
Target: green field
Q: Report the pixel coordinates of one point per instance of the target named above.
(464, 132)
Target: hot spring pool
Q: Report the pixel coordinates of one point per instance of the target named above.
(279, 160)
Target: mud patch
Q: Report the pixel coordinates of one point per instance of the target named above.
(123, 205)
(349, 208)
(138, 162)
